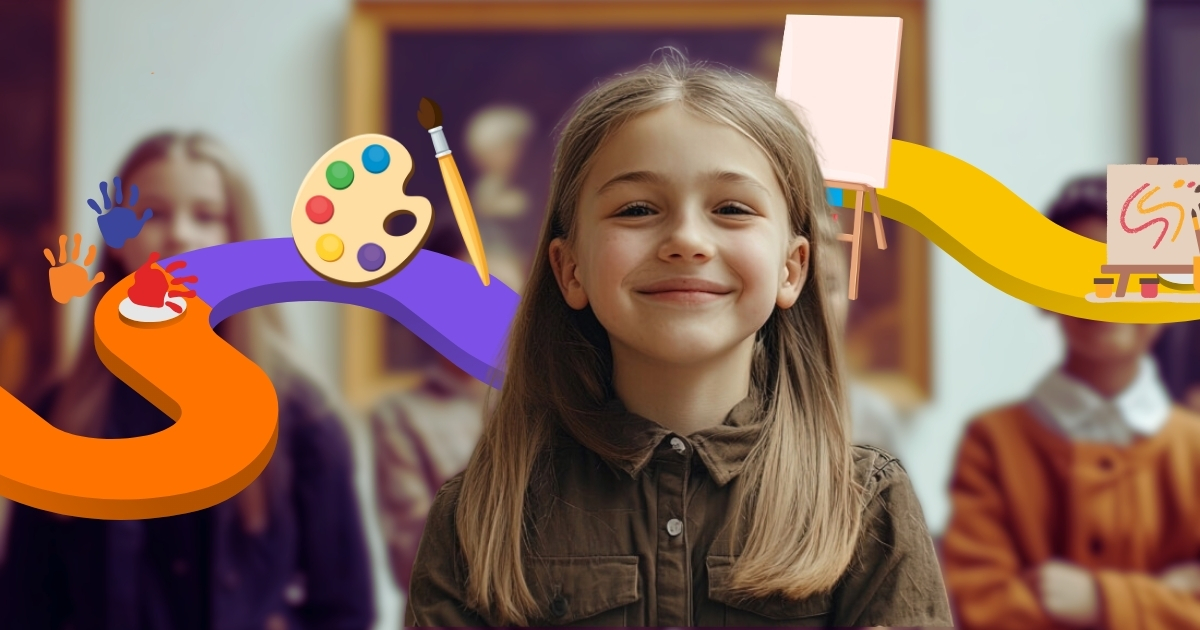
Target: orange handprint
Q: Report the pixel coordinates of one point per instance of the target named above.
(68, 279)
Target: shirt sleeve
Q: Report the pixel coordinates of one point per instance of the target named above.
(404, 494)
(1141, 601)
(982, 564)
(438, 590)
(895, 579)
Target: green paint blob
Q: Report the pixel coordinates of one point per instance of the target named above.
(339, 175)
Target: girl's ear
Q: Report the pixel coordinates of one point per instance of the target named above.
(566, 270)
(795, 272)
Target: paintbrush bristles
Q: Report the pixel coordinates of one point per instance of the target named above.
(429, 114)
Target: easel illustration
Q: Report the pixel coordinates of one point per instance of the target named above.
(847, 99)
(1124, 271)
(855, 236)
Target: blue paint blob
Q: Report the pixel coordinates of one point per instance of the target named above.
(371, 257)
(375, 159)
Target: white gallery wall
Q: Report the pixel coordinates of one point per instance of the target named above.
(1030, 91)
(1033, 93)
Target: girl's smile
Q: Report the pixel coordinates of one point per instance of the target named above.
(686, 291)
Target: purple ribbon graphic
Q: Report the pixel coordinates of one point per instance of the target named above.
(438, 298)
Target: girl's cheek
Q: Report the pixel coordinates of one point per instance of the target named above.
(216, 235)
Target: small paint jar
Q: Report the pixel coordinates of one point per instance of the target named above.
(1149, 287)
(1104, 287)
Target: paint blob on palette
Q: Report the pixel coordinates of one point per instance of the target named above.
(345, 201)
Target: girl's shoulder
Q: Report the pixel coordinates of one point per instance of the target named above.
(874, 466)
(440, 530)
(894, 559)
(888, 495)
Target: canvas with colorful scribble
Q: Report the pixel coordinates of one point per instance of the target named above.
(1150, 214)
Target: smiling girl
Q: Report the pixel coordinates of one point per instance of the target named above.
(670, 447)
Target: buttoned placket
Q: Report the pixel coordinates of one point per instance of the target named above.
(671, 470)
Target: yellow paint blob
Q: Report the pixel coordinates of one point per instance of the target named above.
(1179, 184)
(329, 247)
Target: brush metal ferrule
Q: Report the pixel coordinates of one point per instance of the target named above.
(440, 146)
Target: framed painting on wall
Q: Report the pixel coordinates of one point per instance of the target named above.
(507, 73)
(1172, 130)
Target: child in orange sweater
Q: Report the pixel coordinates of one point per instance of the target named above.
(1080, 507)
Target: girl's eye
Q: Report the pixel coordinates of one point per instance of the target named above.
(207, 216)
(635, 210)
(731, 208)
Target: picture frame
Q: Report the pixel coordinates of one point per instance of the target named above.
(398, 51)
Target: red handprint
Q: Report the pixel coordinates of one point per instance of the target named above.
(150, 287)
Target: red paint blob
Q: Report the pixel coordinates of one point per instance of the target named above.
(1191, 184)
(149, 285)
(151, 288)
(319, 209)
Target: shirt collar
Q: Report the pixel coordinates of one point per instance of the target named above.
(722, 448)
(1078, 410)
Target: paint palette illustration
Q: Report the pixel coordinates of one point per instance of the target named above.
(345, 201)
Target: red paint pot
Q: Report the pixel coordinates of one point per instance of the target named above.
(1149, 287)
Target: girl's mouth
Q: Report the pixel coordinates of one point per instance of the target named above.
(684, 297)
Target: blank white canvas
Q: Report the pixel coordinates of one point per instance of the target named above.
(841, 71)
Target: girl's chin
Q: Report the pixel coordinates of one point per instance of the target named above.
(679, 348)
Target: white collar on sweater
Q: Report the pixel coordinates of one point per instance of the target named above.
(1084, 415)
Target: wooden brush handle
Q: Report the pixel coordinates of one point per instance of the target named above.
(465, 216)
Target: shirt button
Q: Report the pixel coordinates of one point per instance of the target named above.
(1097, 546)
(678, 445)
(558, 607)
(674, 526)
(1106, 464)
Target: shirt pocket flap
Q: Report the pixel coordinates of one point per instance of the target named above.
(574, 588)
(774, 607)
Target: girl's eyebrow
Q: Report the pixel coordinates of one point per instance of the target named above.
(632, 177)
(732, 177)
(650, 177)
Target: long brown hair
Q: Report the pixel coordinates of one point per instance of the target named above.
(84, 397)
(799, 499)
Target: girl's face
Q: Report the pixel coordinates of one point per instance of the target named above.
(683, 245)
(190, 209)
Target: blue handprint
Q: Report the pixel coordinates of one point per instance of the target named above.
(120, 224)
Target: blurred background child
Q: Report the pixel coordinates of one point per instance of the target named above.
(422, 437)
(287, 552)
(1078, 507)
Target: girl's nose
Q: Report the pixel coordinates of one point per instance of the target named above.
(180, 235)
(688, 238)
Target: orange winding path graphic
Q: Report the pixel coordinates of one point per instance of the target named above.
(195, 463)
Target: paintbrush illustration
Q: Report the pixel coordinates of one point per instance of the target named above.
(1196, 226)
(430, 117)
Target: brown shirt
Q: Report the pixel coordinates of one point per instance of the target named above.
(646, 544)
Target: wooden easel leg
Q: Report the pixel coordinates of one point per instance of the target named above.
(880, 237)
(856, 243)
(1122, 284)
